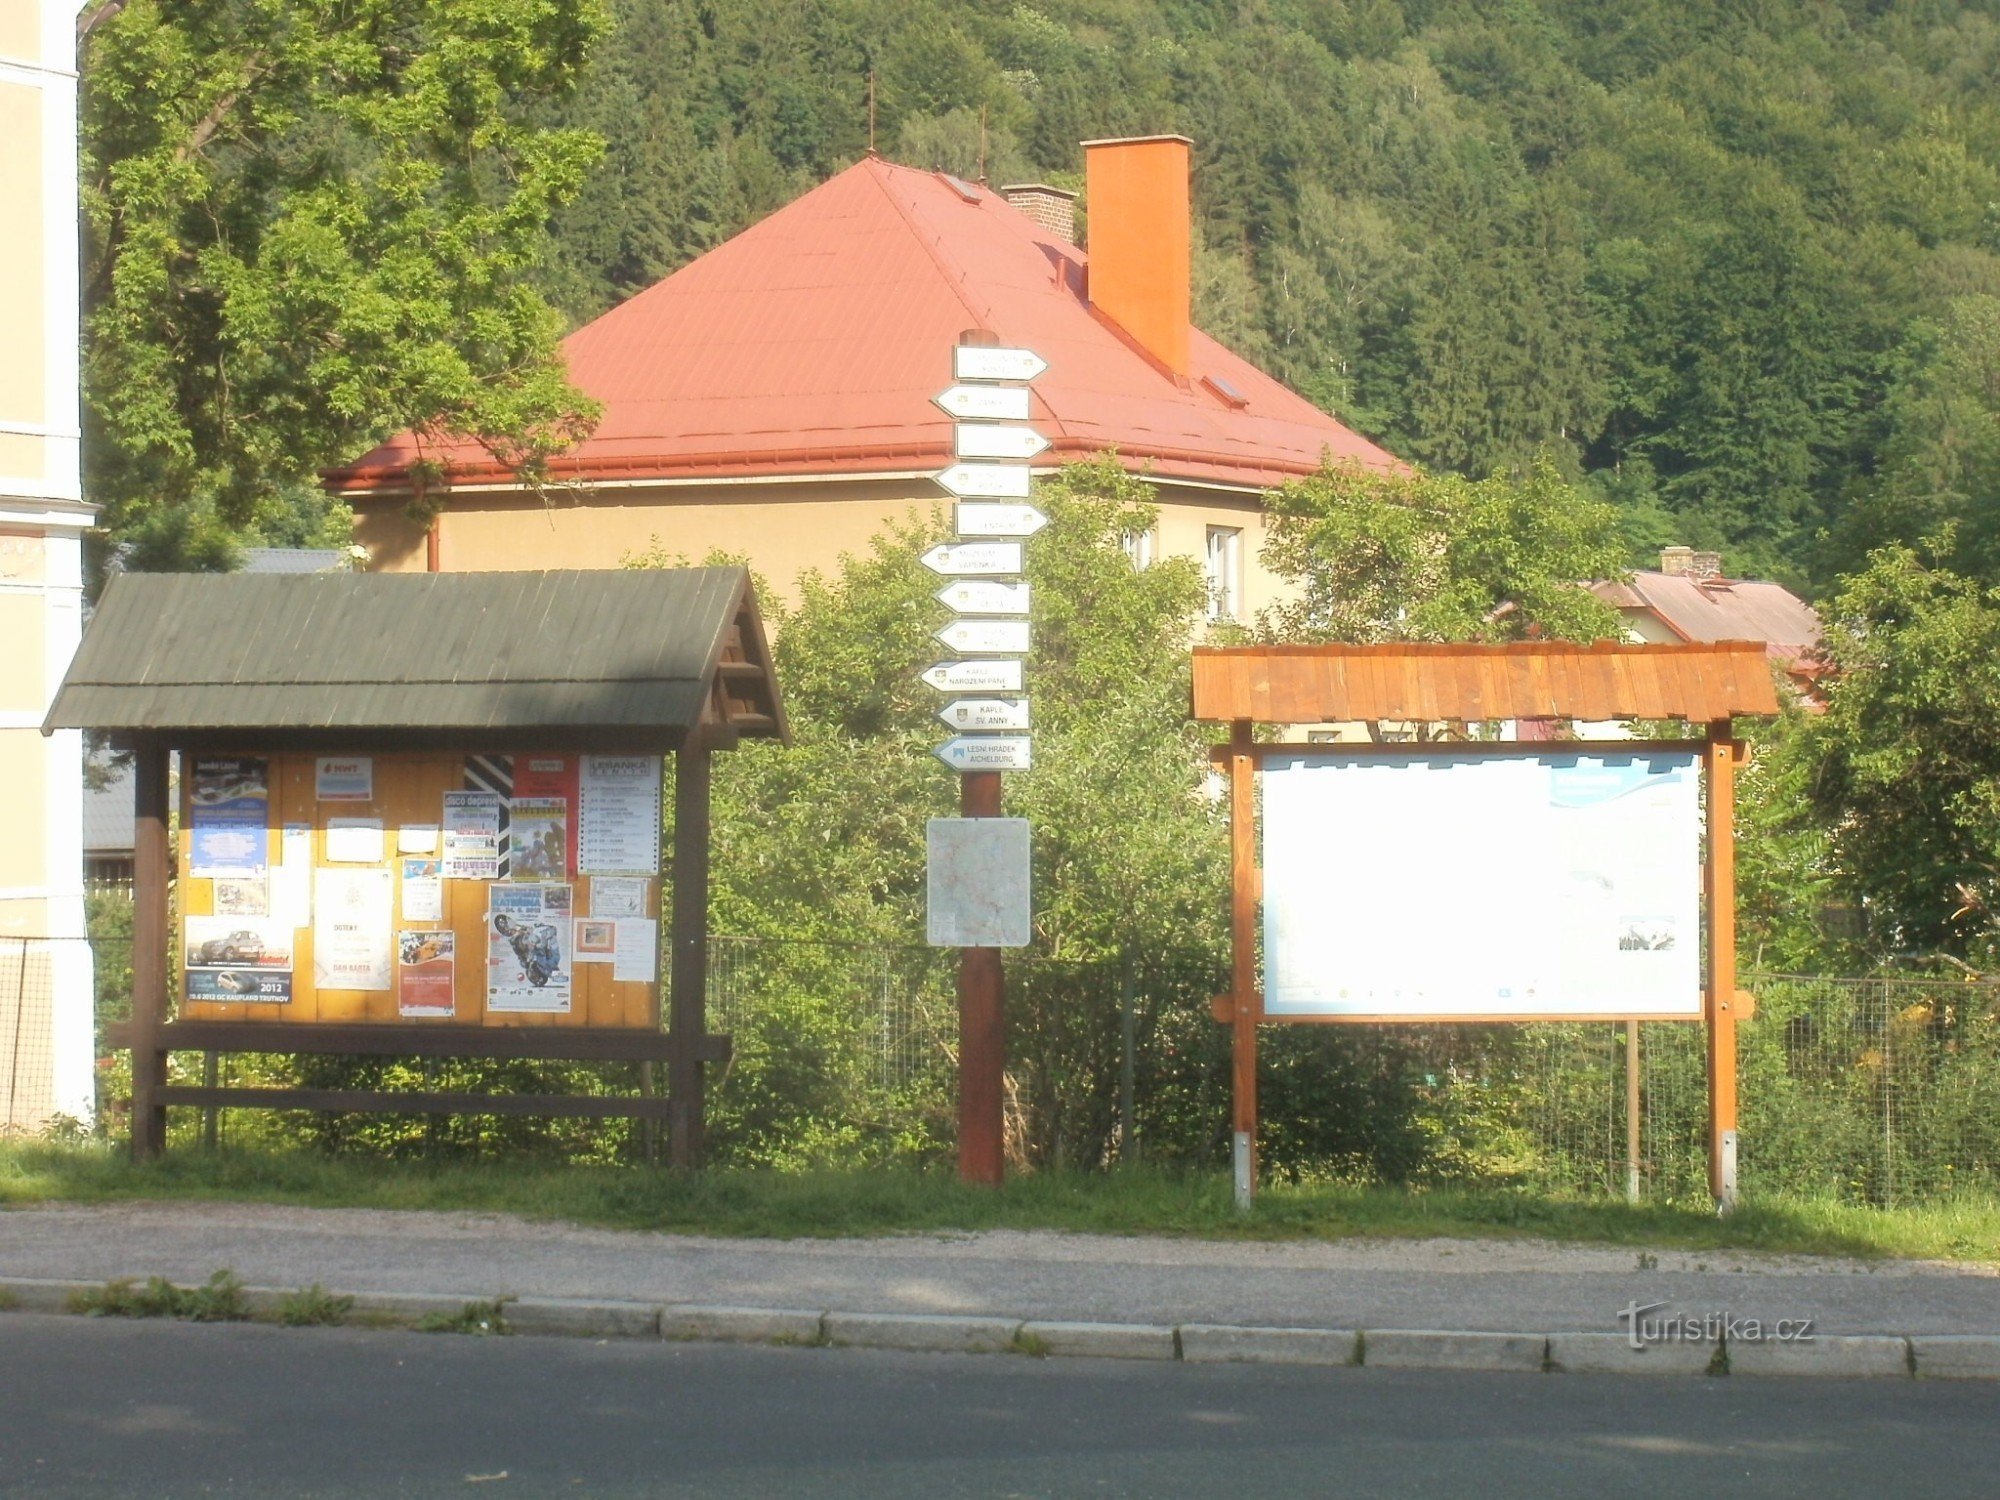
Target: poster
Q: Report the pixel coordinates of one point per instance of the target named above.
(527, 935)
(540, 837)
(618, 815)
(243, 895)
(351, 928)
(638, 950)
(229, 802)
(291, 881)
(348, 778)
(423, 891)
(596, 940)
(354, 841)
(238, 959)
(425, 965)
(471, 836)
(417, 838)
(1440, 883)
(618, 896)
(538, 776)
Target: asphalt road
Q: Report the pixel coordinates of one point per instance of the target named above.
(92, 1407)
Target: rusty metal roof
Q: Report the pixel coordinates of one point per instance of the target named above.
(431, 657)
(1721, 609)
(1525, 680)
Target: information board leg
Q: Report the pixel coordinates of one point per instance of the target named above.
(1243, 958)
(149, 950)
(982, 1039)
(1721, 892)
(687, 979)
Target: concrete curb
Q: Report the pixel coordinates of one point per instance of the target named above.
(1855, 1356)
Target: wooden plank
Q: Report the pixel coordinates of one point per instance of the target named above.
(624, 1044)
(688, 951)
(1243, 953)
(1720, 883)
(149, 950)
(378, 1101)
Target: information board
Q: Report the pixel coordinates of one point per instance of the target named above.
(1447, 884)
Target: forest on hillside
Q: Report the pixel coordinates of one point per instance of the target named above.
(1735, 262)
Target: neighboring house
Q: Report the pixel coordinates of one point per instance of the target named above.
(45, 966)
(1690, 600)
(773, 398)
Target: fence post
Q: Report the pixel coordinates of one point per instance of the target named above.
(149, 948)
(1632, 1103)
(1888, 1094)
(1128, 1036)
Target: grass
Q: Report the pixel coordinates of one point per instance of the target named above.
(899, 1201)
(219, 1300)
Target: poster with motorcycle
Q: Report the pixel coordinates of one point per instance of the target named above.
(527, 948)
(238, 959)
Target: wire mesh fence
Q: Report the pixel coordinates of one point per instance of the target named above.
(46, 1041)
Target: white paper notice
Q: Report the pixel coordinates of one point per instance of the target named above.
(423, 891)
(417, 838)
(636, 951)
(618, 820)
(354, 841)
(291, 882)
(618, 896)
(352, 948)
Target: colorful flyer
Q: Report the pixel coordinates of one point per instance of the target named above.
(596, 940)
(238, 959)
(230, 809)
(352, 918)
(618, 815)
(540, 834)
(425, 971)
(618, 896)
(347, 778)
(527, 937)
(471, 836)
(423, 891)
(537, 776)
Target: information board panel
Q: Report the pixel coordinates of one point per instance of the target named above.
(1436, 883)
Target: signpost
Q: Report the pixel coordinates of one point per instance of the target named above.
(979, 879)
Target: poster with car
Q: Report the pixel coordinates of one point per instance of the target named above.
(237, 959)
(229, 802)
(425, 962)
(352, 917)
(540, 837)
(527, 948)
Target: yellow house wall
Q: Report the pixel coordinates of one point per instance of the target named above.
(23, 356)
(20, 28)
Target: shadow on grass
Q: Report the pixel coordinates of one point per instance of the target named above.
(765, 1204)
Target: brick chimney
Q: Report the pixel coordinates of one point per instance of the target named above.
(1685, 562)
(1140, 249)
(1053, 208)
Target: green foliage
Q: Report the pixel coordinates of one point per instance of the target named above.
(308, 226)
(1421, 557)
(217, 1300)
(313, 1307)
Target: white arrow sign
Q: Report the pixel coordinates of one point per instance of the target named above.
(986, 403)
(998, 481)
(982, 596)
(975, 519)
(997, 440)
(997, 676)
(986, 752)
(986, 713)
(996, 637)
(974, 559)
(969, 362)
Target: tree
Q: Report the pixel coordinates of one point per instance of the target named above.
(1436, 557)
(308, 223)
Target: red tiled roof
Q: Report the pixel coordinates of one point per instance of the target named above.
(814, 341)
(1721, 609)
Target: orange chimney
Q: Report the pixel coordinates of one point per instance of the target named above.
(1136, 193)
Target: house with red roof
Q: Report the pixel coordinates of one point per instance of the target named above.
(774, 398)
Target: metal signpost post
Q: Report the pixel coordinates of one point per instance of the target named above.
(978, 862)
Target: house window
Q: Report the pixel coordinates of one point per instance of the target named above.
(1225, 573)
(1138, 546)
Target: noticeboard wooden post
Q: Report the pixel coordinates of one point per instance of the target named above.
(387, 843)
(1705, 685)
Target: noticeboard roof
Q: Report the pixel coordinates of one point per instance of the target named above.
(1428, 682)
(631, 658)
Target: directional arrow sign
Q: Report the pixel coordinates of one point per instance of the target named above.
(986, 403)
(975, 519)
(999, 481)
(1000, 637)
(997, 676)
(971, 363)
(974, 559)
(982, 596)
(986, 713)
(997, 440)
(986, 752)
